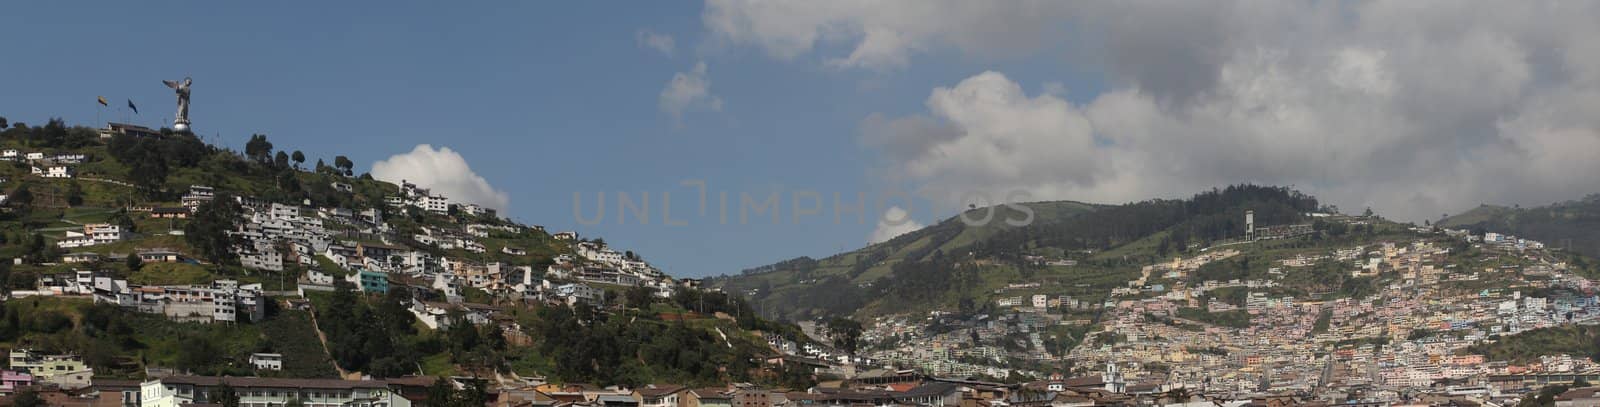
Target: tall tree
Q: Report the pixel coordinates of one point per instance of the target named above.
(208, 230)
(21, 199)
(299, 158)
(344, 163)
(639, 296)
(224, 395)
(147, 167)
(845, 333)
(74, 194)
(258, 148)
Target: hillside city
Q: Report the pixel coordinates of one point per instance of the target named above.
(147, 268)
(1421, 333)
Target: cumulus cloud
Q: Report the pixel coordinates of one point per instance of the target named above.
(1409, 108)
(689, 91)
(894, 222)
(444, 172)
(881, 35)
(662, 43)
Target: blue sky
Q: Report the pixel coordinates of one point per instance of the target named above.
(1093, 102)
(542, 100)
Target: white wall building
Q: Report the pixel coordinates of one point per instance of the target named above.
(175, 391)
(266, 361)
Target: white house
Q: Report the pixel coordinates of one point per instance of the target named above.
(599, 253)
(197, 195)
(435, 204)
(449, 285)
(262, 260)
(417, 262)
(266, 361)
(53, 171)
(472, 209)
(93, 234)
(659, 395)
(437, 315)
(425, 239)
(318, 277)
(66, 371)
(431, 314)
(573, 293)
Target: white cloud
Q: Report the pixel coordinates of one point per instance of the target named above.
(689, 91)
(657, 41)
(443, 171)
(1411, 110)
(883, 35)
(894, 222)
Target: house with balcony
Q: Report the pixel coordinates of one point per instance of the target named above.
(11, 381)
(658, 395)
(266, 361)
(66, 371)
(93, 234)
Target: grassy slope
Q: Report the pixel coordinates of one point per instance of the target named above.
(789, 286)
(1572, 224)
(1480, 214)
(159, 341)
(794, 292)
(1528, 346)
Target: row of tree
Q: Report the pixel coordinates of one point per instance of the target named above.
(54, 134)
(373, 336)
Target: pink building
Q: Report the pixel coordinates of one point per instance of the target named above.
(11, 381)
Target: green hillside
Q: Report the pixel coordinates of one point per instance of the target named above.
(1573, 225)
(953, 266)
(1480, 214)
(835, 284)
(631, 337)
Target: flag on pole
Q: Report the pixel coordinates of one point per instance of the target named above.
(103, 101)
(131, 106)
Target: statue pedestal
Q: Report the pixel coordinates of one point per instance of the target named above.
(181, 125)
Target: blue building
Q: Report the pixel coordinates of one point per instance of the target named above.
(371, 282)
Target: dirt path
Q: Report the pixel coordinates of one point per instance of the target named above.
(323, 338)
(108, 181)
